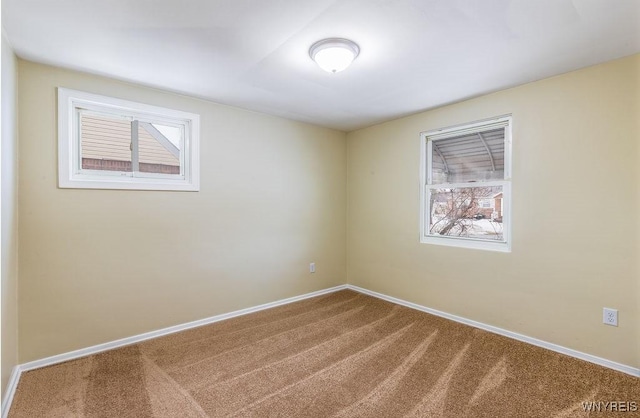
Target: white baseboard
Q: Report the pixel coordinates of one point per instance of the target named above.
(72, 355)
(10, 390)
(633, 371)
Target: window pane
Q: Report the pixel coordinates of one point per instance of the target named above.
(469, 157)
(105, 142)
(469, 212)
(159, 148)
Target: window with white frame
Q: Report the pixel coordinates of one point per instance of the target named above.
(107, 143)
(466, 185)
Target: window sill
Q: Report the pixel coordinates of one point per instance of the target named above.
(127, 183)
(474, 244)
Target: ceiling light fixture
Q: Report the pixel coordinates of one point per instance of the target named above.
(334, 54)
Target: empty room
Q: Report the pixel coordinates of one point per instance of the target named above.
(320, 208)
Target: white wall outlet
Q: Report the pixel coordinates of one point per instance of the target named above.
(610, 316)
(312, 267)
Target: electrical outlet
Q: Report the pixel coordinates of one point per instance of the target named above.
(610, 316)
(312, 267)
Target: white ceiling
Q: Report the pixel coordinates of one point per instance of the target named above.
(415, 54)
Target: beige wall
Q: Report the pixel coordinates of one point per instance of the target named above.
(8, 211)
(98, 265)
(575, 214)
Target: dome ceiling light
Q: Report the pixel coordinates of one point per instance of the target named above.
(334, 54)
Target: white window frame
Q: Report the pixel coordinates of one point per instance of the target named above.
(426, 185)
(70, 171)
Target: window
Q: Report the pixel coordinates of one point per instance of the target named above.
(106, 143)
(466, 185)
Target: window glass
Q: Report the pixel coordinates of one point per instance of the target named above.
(473, 156)
(159, 148)
(459, 212)
(105, 142)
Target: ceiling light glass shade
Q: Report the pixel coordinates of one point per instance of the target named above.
(334, 54)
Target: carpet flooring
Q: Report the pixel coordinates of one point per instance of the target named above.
(342, 354)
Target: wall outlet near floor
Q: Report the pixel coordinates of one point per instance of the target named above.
(610, 316)
(312, 267)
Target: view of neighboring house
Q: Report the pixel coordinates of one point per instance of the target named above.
(108, 144)
(490, 208)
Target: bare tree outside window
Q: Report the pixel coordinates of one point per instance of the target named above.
(459, 212)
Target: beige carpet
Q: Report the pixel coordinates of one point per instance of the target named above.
(341, 355)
